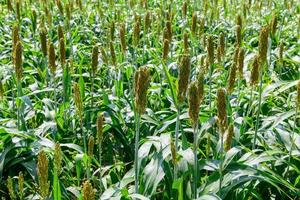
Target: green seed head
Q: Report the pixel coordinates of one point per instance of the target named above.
(57, 158)
(100, 122)
(91, 146)
(229, 136)
(42, 169)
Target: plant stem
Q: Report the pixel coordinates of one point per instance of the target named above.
(18, 105)
(259, 105)
(136, 164)
(100, 163)
(221, 163)
(195, 159)
(176, 137)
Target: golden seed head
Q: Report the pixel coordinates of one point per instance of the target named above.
(221, 108)
(263, 45)
(123, 37)
(9, 5)
(21, 184)
(68, 11)
(15, 39)
(232, 74)
(79, 4)
(229, 136)
(51, 58)
(219, 57)
(62, 51)
(91, 146)
(147, 22)
(200, 79)
(194, 23)
(222, 44)
(201, 26)
(184, 9)
(210, 49)
(10, 188)
(42, 170)
(281, 49)
(57, 158)
(112, 54)
(255, 71)
(104, 55)
(18, 9)
(183, 79)
(88, 191)
(112, 31)
(186, 42)
(238, 36)
(298, 94)
(274, 24)
(60, 7)
(194, 102)
(136, 33)
(78, 100)
(60, 32)
(241, 57)
(43, 38)
(141, 84)
(100, 122)
(95, 55)
(239, 21)
(18, 60)
(169, 30)
(165, 49)
(173, 151)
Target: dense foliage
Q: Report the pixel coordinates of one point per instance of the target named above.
(152, 99)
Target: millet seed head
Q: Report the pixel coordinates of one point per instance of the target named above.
(88, 191)
(184, 76)
(18, 60)
(113, 54)
(263, 45)
(238, 35)
(210, 49)
(123, 38)
(95, 62)
(255, 71)
(42, 170)
(62, 51)
(43, 40)
(165, 49)
(228, 141)
(57, 158)
(221, 109)
(194, 102)
(194, 23)
(100, 123)
(141, 84)
(51, 58)
(241, 57)
(91, 146)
